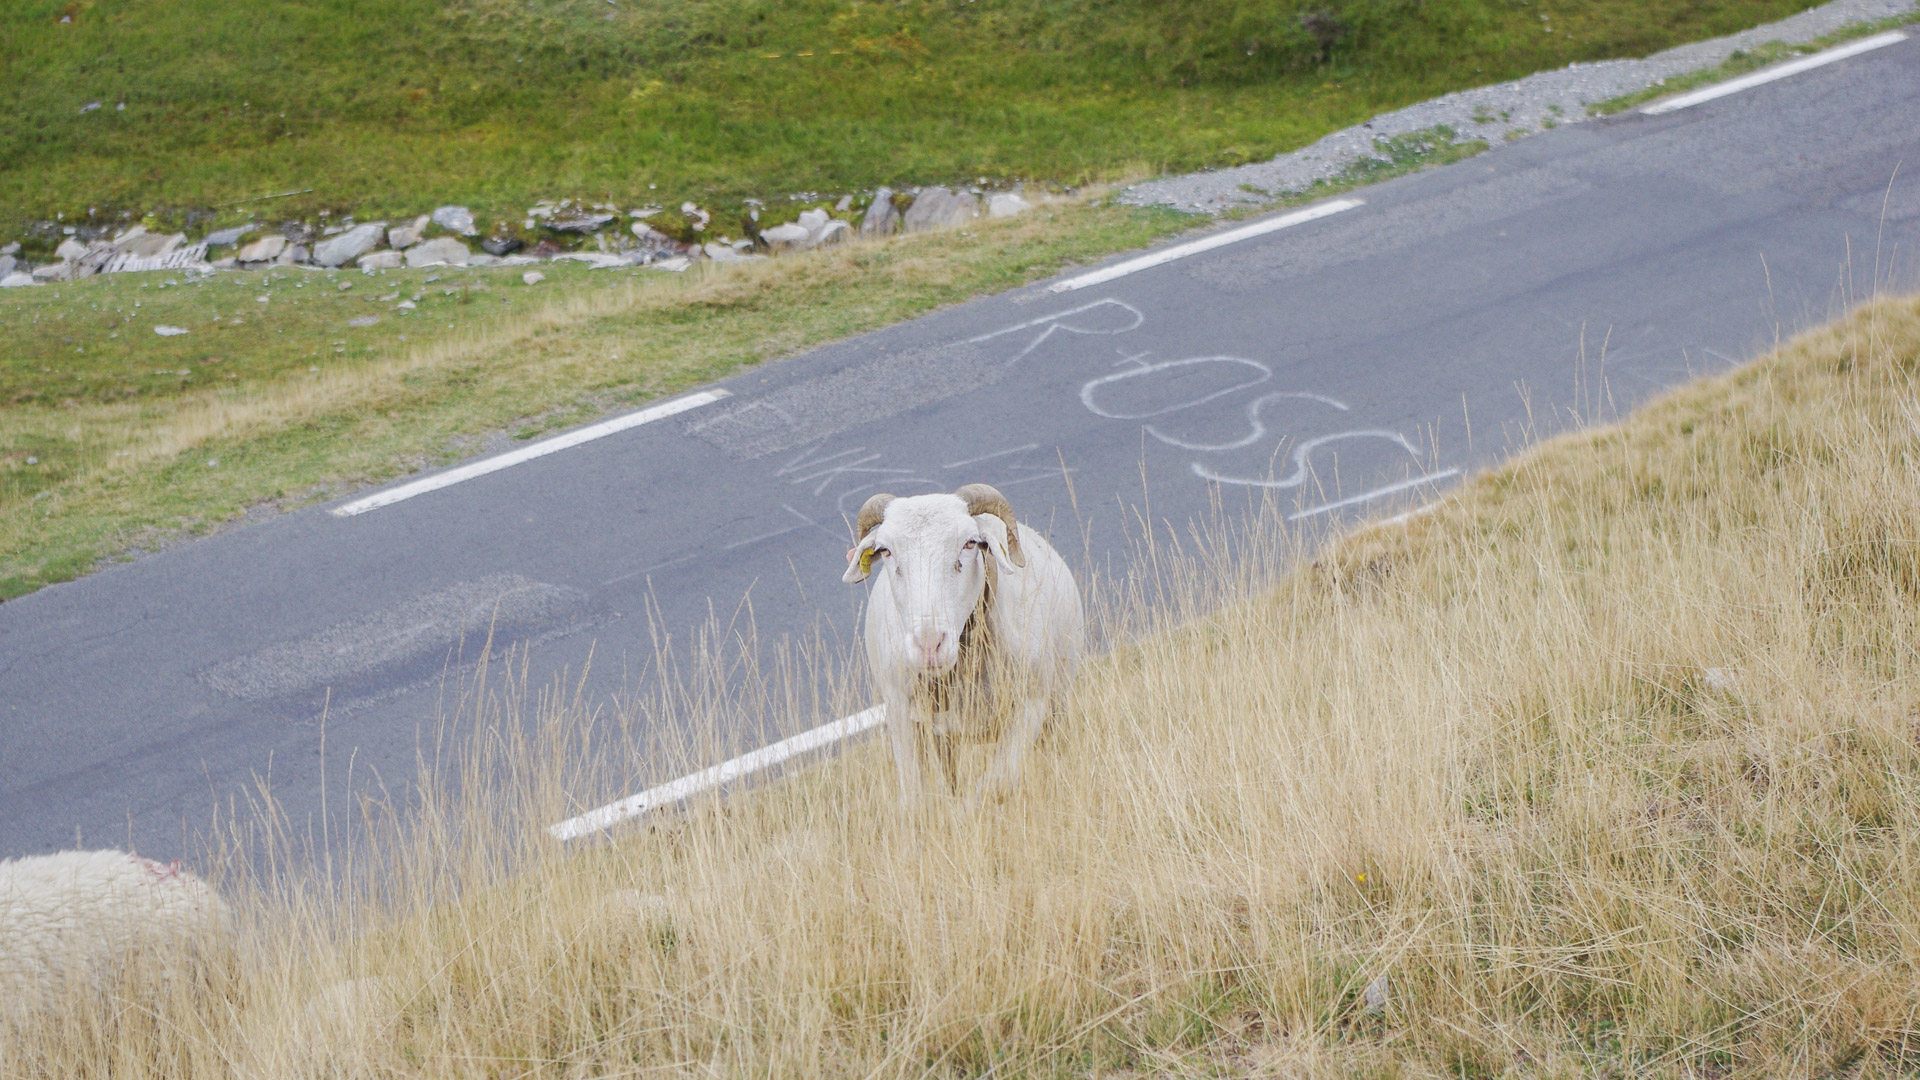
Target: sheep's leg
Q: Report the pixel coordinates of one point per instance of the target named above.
(905, 730)
(1004, 770)
(943, 744)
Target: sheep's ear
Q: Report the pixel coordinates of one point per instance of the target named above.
(859, 562)
(996, 531)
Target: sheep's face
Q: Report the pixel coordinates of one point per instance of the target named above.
(928, 558)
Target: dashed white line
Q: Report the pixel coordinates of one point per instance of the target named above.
(1747, 82)
(1208, 243)
(726, 772)
(527, 453)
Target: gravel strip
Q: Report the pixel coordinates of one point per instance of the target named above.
(1529, 105)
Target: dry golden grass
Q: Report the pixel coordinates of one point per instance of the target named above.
(1607, 767)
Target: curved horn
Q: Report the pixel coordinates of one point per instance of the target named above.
(871, 512)
(985, 499)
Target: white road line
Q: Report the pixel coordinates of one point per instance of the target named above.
(726, 772)
(1746, 82)
(1208, 243)
(527, 453)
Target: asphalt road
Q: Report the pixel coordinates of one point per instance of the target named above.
(1336, 365)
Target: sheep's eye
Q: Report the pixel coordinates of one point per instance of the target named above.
(975, 545)
(881, 553)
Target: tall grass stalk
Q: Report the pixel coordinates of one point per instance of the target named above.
(1608, 766)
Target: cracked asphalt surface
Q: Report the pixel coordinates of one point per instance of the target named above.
(1333, 366)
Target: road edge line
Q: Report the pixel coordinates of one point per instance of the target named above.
(1205, 243)
(1772, 74)
(527, 453)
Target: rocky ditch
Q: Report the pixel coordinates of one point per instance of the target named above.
(602, 235)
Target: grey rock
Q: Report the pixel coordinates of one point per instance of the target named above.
(405, 236)
(676, 264)
(533, 277)
(780, 238)
(294, 255)
(445, 249)
(845, 204)
(363, 321)
(581, 222)
(833, 232)
(151, 245)
(482, 259)
(12, 248)
(60, 271)
(7, 263)
(265, 249)
(455, 219)
(814, 220)
(501, 245)
(1007, 204)
(380, 260)
(229, 237)
(343, 249)
(881, 218)
(70, 249)
(941, 208)
(17, 280)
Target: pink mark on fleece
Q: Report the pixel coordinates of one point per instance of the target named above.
(159, 870)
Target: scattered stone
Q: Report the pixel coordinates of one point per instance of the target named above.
(1007, 204)
(380, 260)
(12, 248)
(55, 272)
(265, 249)
(814, 220)
(345, 285)
(501, 245)
(674, 265)
(455, 219)
(940, 208)
(845, 204)
(1376, 995)
(148, 245)
(833, 232)
(7, 263)
(17, 280)
(482, 259)
(697, 217)
(445, 249)
(580, 223)
(70, 250)
(363, 321)
(881, 219)
(781, 238)
(295, 253)
(724, 253)
(338, 250)
(517, 260)
(227, 263)
(89, 106)
(595, 260)
(169, 331)
(533, 277)
(647, 234)
(229, 237)
(406, 305)
(400, 237)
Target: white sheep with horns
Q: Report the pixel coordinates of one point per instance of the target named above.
(78, 922)
(973, 629)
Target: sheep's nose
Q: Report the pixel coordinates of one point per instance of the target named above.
(929, 640)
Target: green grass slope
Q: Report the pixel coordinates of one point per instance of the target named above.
(385, 107)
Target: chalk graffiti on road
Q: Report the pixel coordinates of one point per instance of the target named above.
(1162, 391)
(1100, 318)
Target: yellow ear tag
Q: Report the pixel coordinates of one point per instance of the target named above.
(866, 561)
